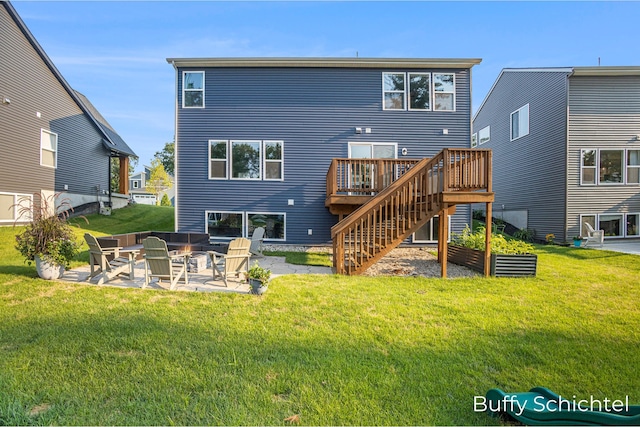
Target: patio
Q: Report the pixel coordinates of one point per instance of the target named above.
(201, 281)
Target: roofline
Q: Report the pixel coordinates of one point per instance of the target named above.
(311, 62)
(49, 63)
(607, 71)
(566, 70)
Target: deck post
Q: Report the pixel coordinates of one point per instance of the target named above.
(487, 246)
(443, 237)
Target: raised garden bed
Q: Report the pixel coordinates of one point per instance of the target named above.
(502, 265)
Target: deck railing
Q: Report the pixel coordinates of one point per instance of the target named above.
(395, 212)
(364, 176)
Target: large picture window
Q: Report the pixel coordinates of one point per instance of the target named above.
(245, 159)
(273, 224)
(611, 166)
(225, 225)
(48, 148)
(193, 89)
(419, 91)
(520, 122)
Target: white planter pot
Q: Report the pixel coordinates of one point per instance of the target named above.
(47, 270)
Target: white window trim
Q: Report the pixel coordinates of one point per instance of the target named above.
(55, 152)
(226, 160)
(520, 121)
(246, 221)
(433, 79)
(627, 167)
(194, 90)
(17, 199)
(413, 236)
(596, 174)
(243, 227)
(265, 160)
(403, 92)
(624, 223)
(135, 183)
(230, 157)
(408, 90)
(480, 142)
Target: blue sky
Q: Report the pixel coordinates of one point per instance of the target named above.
(115, 52)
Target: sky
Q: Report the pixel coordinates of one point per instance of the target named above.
(114, 52)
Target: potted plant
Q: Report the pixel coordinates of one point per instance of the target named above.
(577, 241)
(258, 278)
(47, 238)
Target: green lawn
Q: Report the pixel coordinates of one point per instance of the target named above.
(321, 349)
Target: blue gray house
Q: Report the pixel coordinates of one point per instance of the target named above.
(566, 149)
(53, 139)
(282, 143)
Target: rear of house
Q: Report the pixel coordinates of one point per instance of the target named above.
(256, 137)
(565, 149)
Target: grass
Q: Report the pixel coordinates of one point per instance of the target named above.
(315, 350)
(304, 258)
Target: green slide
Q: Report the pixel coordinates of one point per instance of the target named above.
(540, 406)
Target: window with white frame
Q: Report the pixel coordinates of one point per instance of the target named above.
(632, 224)
(611, 166)
(136, 184)
(15, 207)
(520, 122)
(224, 225)
(249, 160)
(484, 135)
(217, 159)
(587, 219)
(588, 168)
(444, 92)
(48, 148)
(273, 160)
(613, 224)
(193, 89)
(419, 91)
(633, 166)
(474, 140)
(274, 224)
(429, 232)
(393, 88)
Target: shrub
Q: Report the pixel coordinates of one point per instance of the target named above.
(525, 234)
(499, 244)
(165, 200)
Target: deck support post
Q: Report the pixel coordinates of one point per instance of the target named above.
(487, 245)
(443, 236)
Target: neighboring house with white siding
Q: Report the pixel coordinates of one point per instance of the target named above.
(566, 149)
(53, 139)
(139, 192)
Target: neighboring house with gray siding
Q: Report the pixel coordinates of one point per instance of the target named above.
(52, 138)
(566, 149)
(140, 194)
(256, 137)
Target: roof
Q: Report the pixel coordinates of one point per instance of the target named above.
(112, 140)
(606, 71)
(311, 62)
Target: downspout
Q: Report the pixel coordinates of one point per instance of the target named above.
(109, 180)
(175, 156)
(566, 156)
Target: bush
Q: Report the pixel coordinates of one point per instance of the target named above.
(499, 244)
(525, 234)
(165, 200)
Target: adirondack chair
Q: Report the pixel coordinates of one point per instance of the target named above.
(256, 242)
(162, 264)
(594, 236)
(102, 268)
(234, 262)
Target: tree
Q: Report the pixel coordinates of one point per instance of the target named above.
(167, 157)
(165, 200)
(159, 179)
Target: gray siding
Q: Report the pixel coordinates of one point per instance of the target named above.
(314, 111)
(32, 87)
(604, 112)
(529, 172)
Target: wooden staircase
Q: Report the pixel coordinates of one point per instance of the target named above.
(428, 188)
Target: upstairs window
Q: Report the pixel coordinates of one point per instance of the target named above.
(484, 135)
(217, 159)
(588, 167)
(273, 162)
(393, 89)
(245, 159)
(520, 122)
(419, 91)
(48, 148)
(611, 166)
(193, 89)
(444, 92)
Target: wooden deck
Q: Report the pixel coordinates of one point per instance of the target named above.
(381, 202)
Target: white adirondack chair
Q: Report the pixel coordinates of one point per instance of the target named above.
(594, 236)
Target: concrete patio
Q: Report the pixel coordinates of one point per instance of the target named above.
(201, 281)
